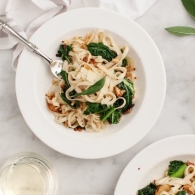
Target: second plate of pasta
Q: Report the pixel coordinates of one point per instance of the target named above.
(166, 167)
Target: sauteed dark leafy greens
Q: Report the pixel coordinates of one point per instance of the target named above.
(96, 85)
(179, 179)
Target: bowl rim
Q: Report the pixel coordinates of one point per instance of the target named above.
(108, 149)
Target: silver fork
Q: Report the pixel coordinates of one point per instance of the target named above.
(56, 65)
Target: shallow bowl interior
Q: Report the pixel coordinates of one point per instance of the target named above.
(43, 84)
(34, 78)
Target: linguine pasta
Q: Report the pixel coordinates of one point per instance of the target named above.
(187, 183)
(105, 63)
(179, 179)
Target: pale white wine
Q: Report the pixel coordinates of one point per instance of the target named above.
(22, 179)
(28, 173)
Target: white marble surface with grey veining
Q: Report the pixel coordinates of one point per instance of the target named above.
(177, 116)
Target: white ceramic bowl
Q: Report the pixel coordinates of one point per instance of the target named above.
(33, 80)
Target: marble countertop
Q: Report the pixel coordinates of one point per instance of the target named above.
(177, 116)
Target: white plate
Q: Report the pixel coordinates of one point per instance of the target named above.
(33, 80)
(152, 162)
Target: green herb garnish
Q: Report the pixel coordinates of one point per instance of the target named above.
(184, 30)
(190, 7)
(93, 89)
(181, 30)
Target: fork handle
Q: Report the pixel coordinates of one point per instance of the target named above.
(10, 31)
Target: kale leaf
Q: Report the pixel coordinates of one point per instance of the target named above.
(176, 168)
(128, 86)
(148, 190)
(106, 112)
(181, 192)
(64, 98)
(114, 118)
(99, 49)
(64, 76)
(96, 108)
(124, 62)
(110, 113)
(63, 52)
